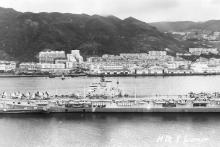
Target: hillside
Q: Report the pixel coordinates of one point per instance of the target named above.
(24, 35)
(179, 26)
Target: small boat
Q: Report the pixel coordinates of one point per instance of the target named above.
(63, 77)
(51, 75)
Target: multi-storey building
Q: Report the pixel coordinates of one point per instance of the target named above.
(28, 66)
(199, 51)
(6, 66)
(51, 56)
(157, 53)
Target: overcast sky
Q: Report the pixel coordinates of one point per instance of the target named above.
(145, 10)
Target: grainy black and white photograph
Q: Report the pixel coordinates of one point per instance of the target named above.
(109, 73)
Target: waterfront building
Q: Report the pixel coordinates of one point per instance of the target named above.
(156, 70)
(108, 68)
(214, 62)
(10, 66)
(202, 60)
(51, 56)
(2, 67)
(199, 51)
(112, 67)
(183, 54)
(52, 66)
(58, 68)
(182, 63)
(71, 58)
(134, 55)
(171, 65)
(205, 65)
(141, 71)
(179, 33)
(178, 71)
(199, 67)
(28, 66)
(94, 69)
(75, 55)
(71, 65)
(215, 69)
(6, 66)
(157, 53)
(60, 61)
(114, 71)
(94, 59)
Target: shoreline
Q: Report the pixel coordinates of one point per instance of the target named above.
(113, 75)
(152, 75)
(111, 110)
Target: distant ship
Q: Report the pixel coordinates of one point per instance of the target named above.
(106, 96)
(51, 75)
(63, 77)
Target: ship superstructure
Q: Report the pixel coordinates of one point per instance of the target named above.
(104, 88)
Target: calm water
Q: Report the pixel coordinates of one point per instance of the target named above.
(56, 130)
(143, 85)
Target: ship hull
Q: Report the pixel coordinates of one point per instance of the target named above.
(133, 110)
(21, 111)
(145, 110)
(113, 110)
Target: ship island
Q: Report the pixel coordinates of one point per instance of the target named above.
(107, 96)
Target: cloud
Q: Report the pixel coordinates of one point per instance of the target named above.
(146, 10)
(215, 1)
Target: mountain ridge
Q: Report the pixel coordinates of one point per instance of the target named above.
(24, 34)
(178, 26)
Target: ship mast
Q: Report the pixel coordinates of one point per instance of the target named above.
(135, 93)
(84, 92)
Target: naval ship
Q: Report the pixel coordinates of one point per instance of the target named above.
(106, 96)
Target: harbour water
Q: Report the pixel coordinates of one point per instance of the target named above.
(97, 130)
(142, 85)
(152, 129)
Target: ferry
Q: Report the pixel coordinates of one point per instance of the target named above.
(106, 96)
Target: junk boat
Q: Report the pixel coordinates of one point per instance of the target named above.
(106, 96)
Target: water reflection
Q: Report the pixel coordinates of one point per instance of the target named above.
(107, 129)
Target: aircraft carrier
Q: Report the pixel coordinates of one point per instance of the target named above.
(106, 96)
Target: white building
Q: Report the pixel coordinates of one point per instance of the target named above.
(51, 56)
(11, 66)
(52, 66)
(111, 67)
(199, 67)
(171, 65)
(214, 62)
(28, 66)
(71, 65)
(2, 67)
(134, 55)
(199, 51)
(6, 66)
(156, 70)
(157, 53)
(71, 58)
(76, 54)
